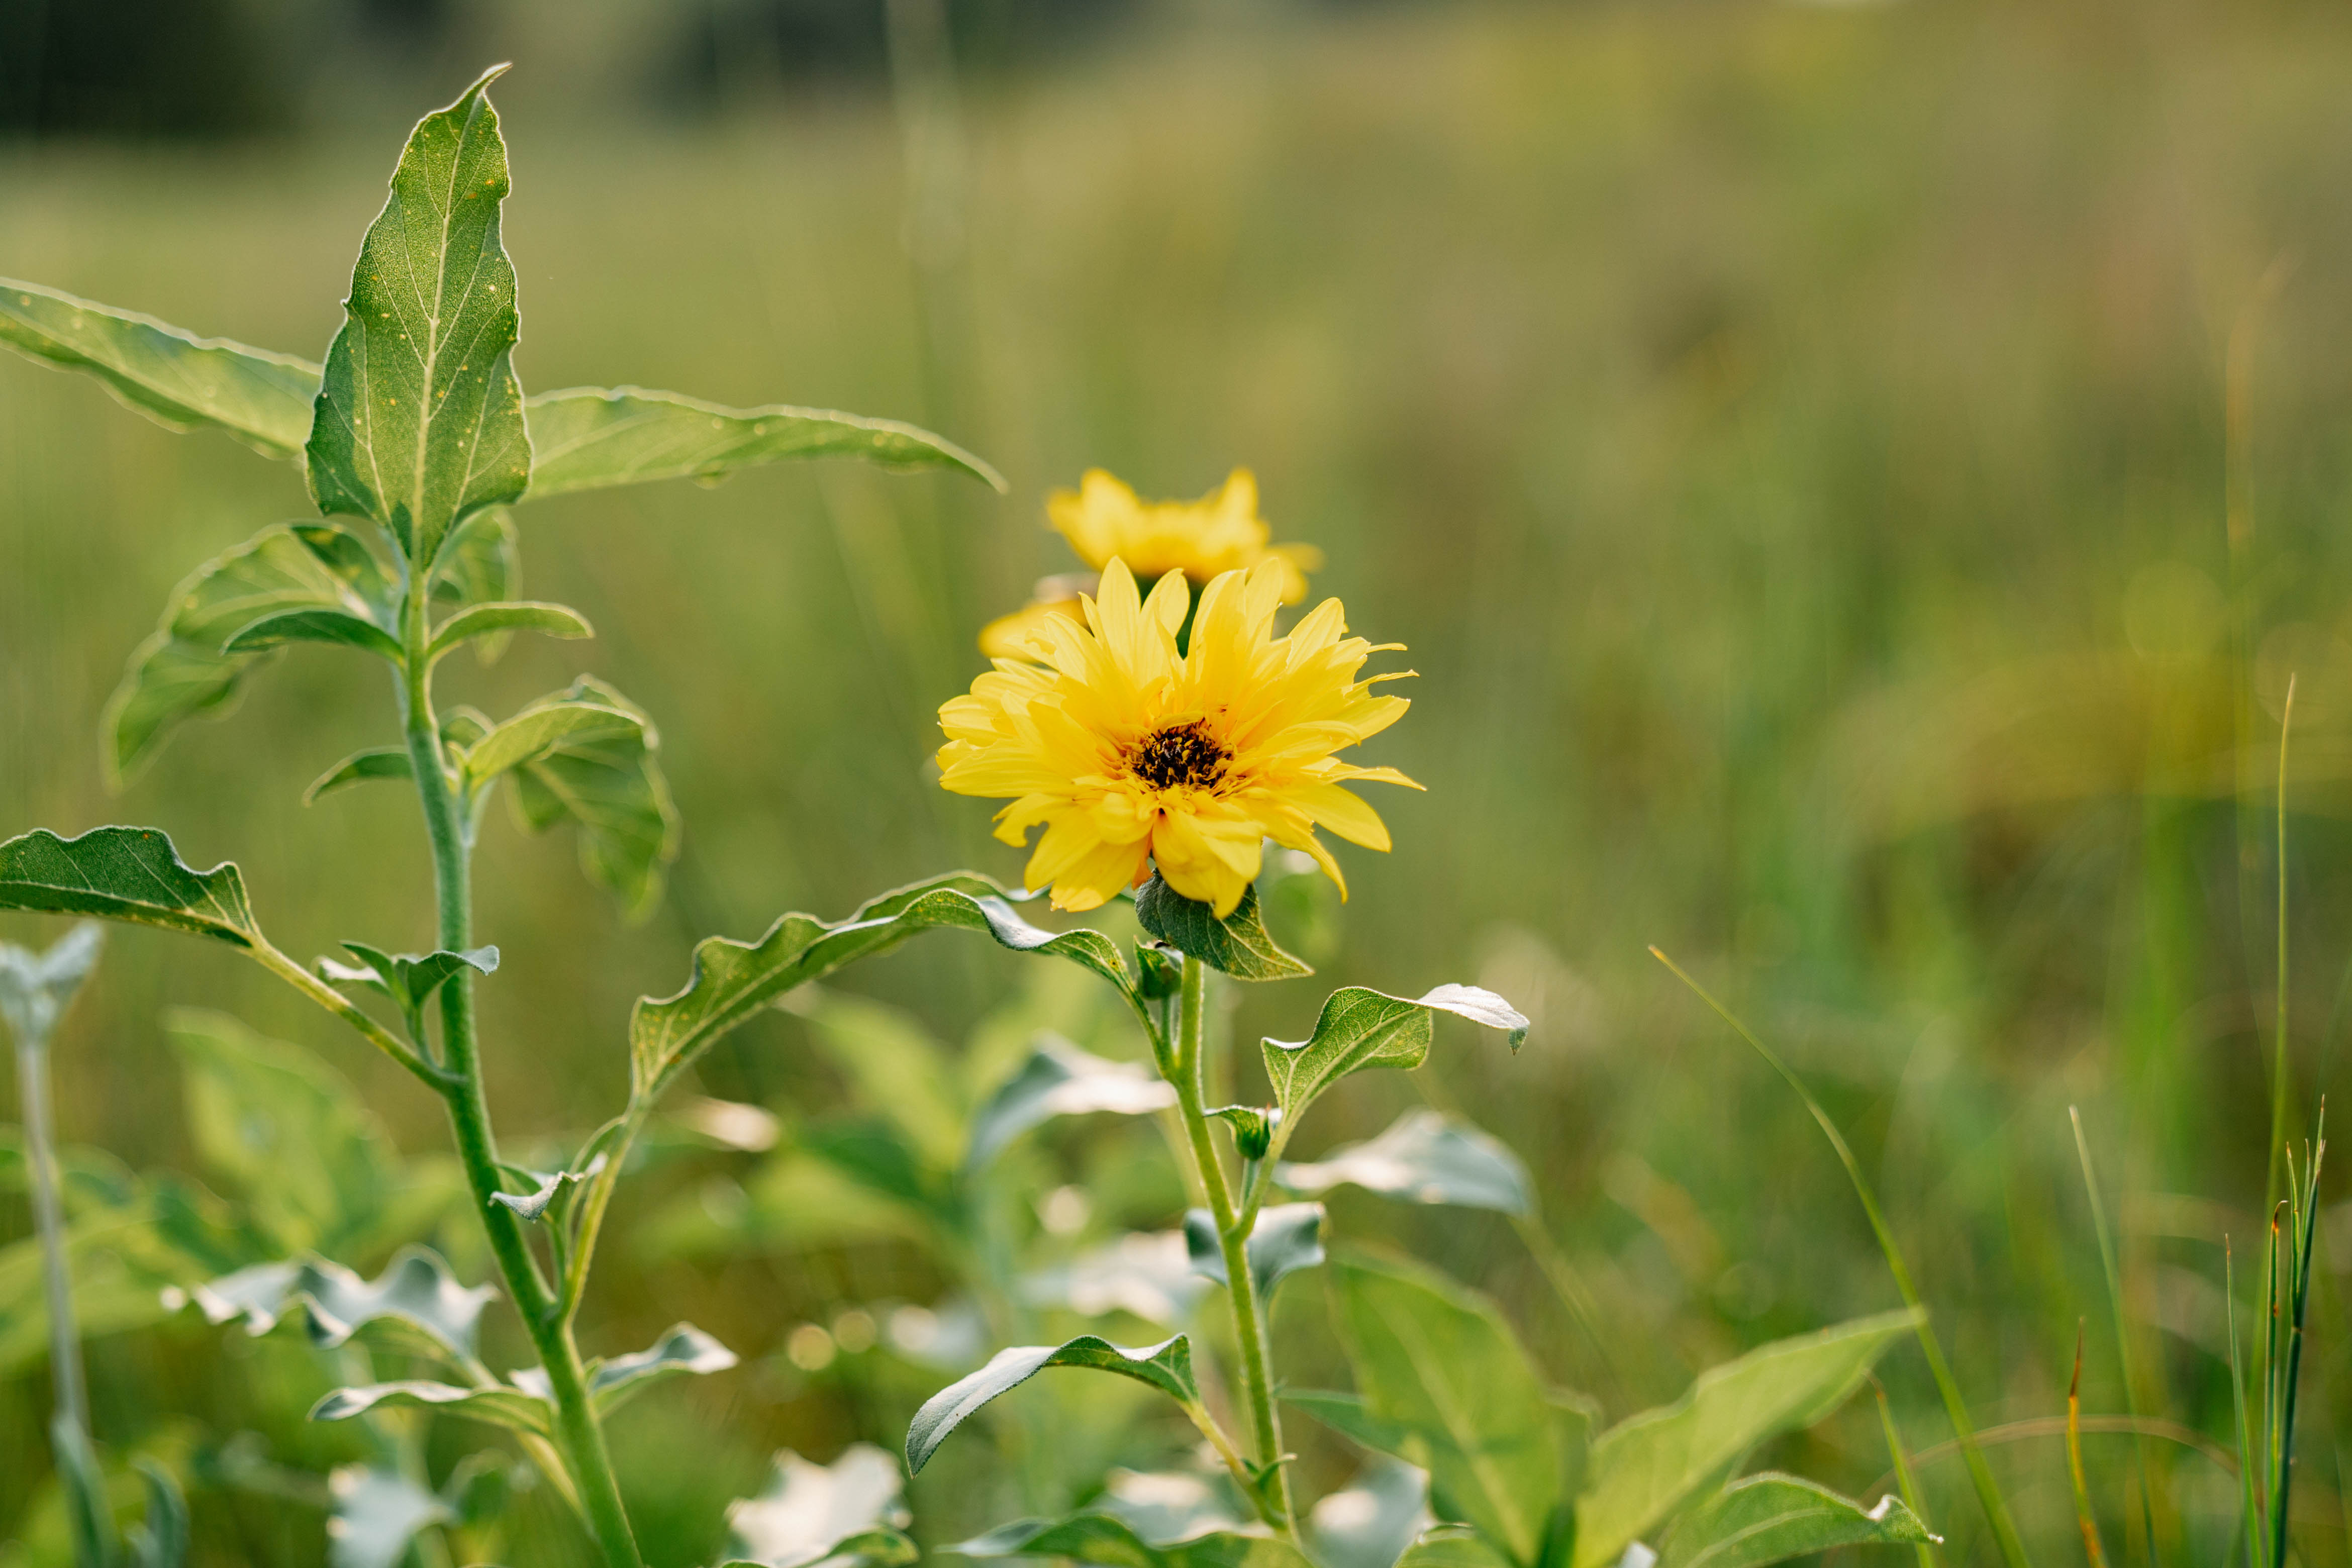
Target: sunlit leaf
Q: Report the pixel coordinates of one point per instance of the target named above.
(1060, 1079)
(36, 988)
(500, 1406)
(588, 437)
(1423, 1158)
(496, 620)
(1166, 1366)
(588, 757)
(847, 1514)
(375, 1514)
(1370, 1521)
(1643, 1467)
(416, 1291)
(1360, 1028)
(1147, 1275)
(360, 767)
(1770, 1518)
(1163, 1507)
(1285, 1239)
(170, 376)
(1099, 1538)
(733, 980)
(1437, 1359)
(419, 420)
(683, 1351)
(124, 874)
(187, 668)
(1237, 944)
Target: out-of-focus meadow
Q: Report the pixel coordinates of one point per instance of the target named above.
(1855, 481)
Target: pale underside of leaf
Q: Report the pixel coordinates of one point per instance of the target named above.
(500, 1406)
(1423, 1157)
(847, 1514)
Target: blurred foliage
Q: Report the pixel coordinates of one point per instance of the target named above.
(1794, 443)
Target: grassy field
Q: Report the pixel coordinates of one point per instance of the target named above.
(1855, 482)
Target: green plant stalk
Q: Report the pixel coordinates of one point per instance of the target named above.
(49, 1219)
(578, 1432)
(1273, 1495)
(2122, 1342)
(2299, 1263)
(1903, 1478)
(2278, 1043)
(1996, 1508)
(2251, 1512)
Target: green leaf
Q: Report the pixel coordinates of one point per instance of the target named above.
(1437, 1359)
(733, 980)
(893, 1064)
(90, 1518)
(482, 562)
(1370, 1523)
(1423, 1158)
(173, 376)
(877, 1155)
(1099, 1538)
(1644, 1466)
(1238, 945)
(1456, 1546)
(587, 757)
(1252, 1127)
(534, 1204)
(682, 1350)
(185, 668)
(416, 1294)
(500, 1406)
(419, 421)
(36, 988)
(847, 1514)
(1060, 1079)
(360, 767)
(1166, 1366)
(1146, 1274)
(1348, 1414)
(1285, 1239)
(124, 874)
(159, 1540)
(587, 438)
(410, 979)
(1360, 1028)
(374, 1514)
(498, 619)
(315, 625)
(1771, 1517)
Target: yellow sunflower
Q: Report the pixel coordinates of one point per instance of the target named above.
(1132, 755)
(1102, 519)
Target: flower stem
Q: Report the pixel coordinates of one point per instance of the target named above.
(578, 1432)
(1273, 1495)
(49, 1217)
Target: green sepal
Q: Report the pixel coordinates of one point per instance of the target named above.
(1166, 1366)
(500, 1406)
(497, 620)
(1101, 1538)
(1285, 1239)
(1236, 944)
(419, 420)
(360, 767)
(1360, 1029)
(125, 874)
(732, 980)
(1770, 1518)
(1252, 1125)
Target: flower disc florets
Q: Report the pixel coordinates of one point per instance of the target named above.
(1132, 754)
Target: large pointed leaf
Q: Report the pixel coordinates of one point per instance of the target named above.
(588, 757)
(1644, 1466)
(170, 376)
(1422, 1158)
(36, 988)
(1438, 1359)
(375, 1514)
(847, 1514)
(500, 1406)
(124, 874)
(1771, 1517)
(733, 980)
(419, 421)
(1166, 1366)
(1236, 944)
(1285, 1239)
(1060, 1079)
(1359, 1028)
(415, 1291)
(186, 667)
(586, 438)
(1099, 1538)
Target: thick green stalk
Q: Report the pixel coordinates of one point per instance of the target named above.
(49, 1219)
(1232, 1240)
(578, 1433)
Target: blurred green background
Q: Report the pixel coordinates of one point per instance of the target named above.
(1855, 481)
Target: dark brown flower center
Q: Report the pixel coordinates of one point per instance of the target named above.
(1180, 755)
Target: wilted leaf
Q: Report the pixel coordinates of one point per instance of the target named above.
(173, 376)
(1060, 1079)
(124, 874)
(500, 1406)
(1644, 1466)
(1099, 1538)
(36, 988)
(1438, 1359)
(1370, 1521)
(185, 668)
(1285, 1239)
(1238, 945)
(416, 1291)
(847, 1514)
(419, 421)
(1166, 1366)
(587, 438)
(733, 980)
(375, 1514)
(1423, 1158)
(588, 757)
(1771, 1517)
(1360, 1028)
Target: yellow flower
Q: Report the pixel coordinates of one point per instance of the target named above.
(1132, 754)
